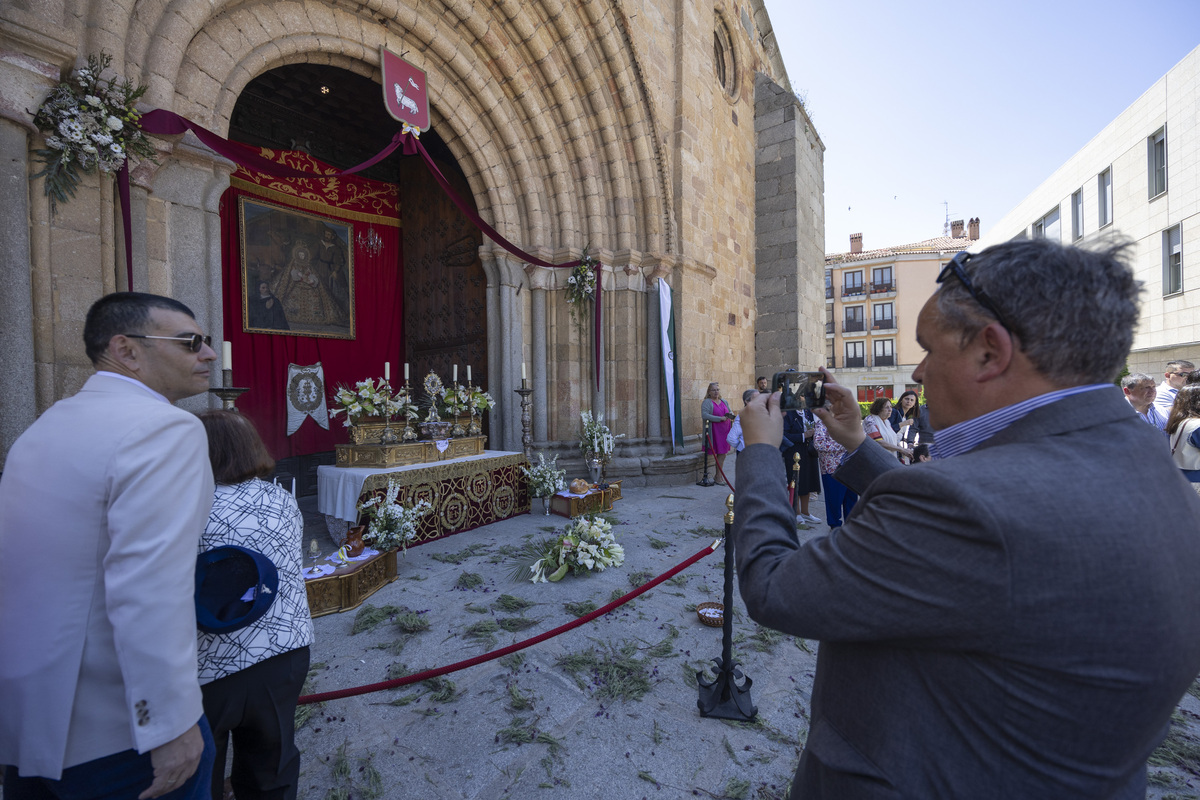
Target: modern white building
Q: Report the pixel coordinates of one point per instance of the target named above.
(1139, 178)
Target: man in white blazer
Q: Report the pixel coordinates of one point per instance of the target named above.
(102, 503)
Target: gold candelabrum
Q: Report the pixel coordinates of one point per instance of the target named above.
(228, 392)
(410, 433)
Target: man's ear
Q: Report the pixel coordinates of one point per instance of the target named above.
(122, 350)
(996, 351)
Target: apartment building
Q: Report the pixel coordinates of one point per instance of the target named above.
(872, 299)
(1139, 178)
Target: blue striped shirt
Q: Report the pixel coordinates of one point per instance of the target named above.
(966, 436)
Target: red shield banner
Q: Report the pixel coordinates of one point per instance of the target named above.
(404, 92)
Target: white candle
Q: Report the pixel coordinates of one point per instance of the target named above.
(387, 370)
(406, 372)
(226, 355)
(523, 371)
(455, 376)
(468, 374)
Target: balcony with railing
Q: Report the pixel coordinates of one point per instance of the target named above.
(883, 325)
(855, 361)
(828, 292)
(829, 329)
(884, 361)
(850, 290)
(883, 287)
(854, 326)
(831, 363)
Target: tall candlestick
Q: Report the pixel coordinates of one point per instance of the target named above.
(406, 372)
(387, 371)
(522, 370)
(468, 374)
(455, 376)
(226, 355)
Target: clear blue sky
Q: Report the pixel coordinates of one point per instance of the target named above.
(972, 103)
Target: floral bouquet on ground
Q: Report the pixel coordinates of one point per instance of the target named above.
(585, 545)
(545, 478)
(372, 399)
(597, 441)
(392, 526)
(89, 124)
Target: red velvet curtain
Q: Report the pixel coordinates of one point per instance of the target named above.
(260, 361)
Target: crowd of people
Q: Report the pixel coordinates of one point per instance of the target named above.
(107, 686)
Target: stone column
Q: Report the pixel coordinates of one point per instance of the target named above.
(18, 394)
(538, 332)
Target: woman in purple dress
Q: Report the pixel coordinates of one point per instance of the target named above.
(720, 419)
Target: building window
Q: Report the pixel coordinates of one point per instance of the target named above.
(830, 361)
(852, 283)
(1156, 162)
(885, 355)
(1172, 261)
(854, 320)
(828, 284)
(1048, 227)
(1077, 216)
(723, 58)
(881, 280)
(829, 318)
(882, 316)
(1104, 197)
(855, 354)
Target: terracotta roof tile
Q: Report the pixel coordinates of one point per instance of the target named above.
(939, 245)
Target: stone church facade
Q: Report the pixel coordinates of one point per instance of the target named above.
(663, 133)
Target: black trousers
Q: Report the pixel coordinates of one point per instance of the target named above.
(257, 706)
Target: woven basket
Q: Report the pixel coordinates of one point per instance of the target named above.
(712, 622)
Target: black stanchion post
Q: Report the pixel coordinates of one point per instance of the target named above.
(723, 697)
(706, 481)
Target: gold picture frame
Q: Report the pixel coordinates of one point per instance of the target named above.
(297, 272)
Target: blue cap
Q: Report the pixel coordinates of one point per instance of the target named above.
(234, 587)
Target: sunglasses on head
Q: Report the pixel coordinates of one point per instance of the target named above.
(956, 267)
(194, 342)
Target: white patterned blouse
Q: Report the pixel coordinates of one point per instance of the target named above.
(264, 517)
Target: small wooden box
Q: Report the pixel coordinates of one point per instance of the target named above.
(349, 586)
(594, 502)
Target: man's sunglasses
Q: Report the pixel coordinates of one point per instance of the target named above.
(956, 266)
(194, 341)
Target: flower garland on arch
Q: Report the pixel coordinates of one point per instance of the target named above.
(90, 124)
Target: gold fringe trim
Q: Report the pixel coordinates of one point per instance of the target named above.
(310, 204)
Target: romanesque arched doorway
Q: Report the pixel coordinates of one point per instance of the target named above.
(431, 313)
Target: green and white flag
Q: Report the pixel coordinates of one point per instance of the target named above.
(666, 318)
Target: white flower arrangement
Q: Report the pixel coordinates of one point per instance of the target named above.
(481, 401)
(597, 441)
(89, 124)
(545, 478)
(392, 525)
(585, 545)
(371, 398)
(457, 399)
(581, 288)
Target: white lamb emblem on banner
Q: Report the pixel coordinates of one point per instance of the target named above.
(406, 102)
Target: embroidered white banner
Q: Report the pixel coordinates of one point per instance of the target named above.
(306, 396)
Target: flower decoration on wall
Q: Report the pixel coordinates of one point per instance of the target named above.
(581, 288)
(89, 123)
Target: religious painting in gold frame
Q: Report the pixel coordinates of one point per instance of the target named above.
(297, 272)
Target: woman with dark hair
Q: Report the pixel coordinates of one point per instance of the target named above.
(1183, 432)
(251, 677)
(877, 425)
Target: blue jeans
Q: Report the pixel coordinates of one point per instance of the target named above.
(120, 776)
(838, 500)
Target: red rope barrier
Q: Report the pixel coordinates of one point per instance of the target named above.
(512, 648)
